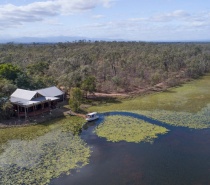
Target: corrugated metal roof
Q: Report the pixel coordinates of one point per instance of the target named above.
(19, 101)
(24, 94)
(50, 91)
(27, 98)
(34, 101)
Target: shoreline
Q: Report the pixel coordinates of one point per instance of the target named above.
(63, 111)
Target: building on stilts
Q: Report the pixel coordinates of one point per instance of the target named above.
(28, 103)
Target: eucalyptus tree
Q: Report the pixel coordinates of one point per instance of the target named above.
(89, 85)
(76, 97)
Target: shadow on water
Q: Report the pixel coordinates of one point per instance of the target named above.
(142, 117)
(138, 116)
(180, 157)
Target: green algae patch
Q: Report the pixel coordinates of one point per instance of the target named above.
(38, 160)
(125, 128)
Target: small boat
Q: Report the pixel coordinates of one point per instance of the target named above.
(92, 116)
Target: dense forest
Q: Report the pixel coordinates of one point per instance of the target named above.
(113, 66)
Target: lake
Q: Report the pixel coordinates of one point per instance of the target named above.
(179, 157)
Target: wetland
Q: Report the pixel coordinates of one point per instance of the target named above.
(161, 138)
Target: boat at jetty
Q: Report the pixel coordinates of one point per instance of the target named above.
(92, 116)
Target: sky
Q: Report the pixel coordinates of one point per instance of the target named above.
(139, 20)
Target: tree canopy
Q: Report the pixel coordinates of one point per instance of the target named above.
(9, 71)
(116, 66)
(6, 89)
(89, 85)
(100, 66)
(76, 97)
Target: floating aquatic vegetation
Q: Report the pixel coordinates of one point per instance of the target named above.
(125, 128)
(73, 124)
(197, 120)
(38, 160)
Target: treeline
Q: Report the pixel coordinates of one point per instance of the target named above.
(116, 66)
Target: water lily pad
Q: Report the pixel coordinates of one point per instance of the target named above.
(38, 160)
(125, 128)
(199, 120)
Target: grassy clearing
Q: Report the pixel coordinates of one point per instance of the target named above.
(191, 97)
(124, 128)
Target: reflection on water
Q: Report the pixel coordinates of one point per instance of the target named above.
(179, 158)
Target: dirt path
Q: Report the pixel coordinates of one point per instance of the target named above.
(111, 94)
(140, 91)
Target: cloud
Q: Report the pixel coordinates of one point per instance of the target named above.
(178, 14)
(178, 17)
(98, 16)
(173, 23)
(11, 15)
(52, 22)
(48, 12)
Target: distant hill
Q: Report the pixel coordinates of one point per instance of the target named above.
(52, 39)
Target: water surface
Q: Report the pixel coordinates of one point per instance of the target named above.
(179, 157)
